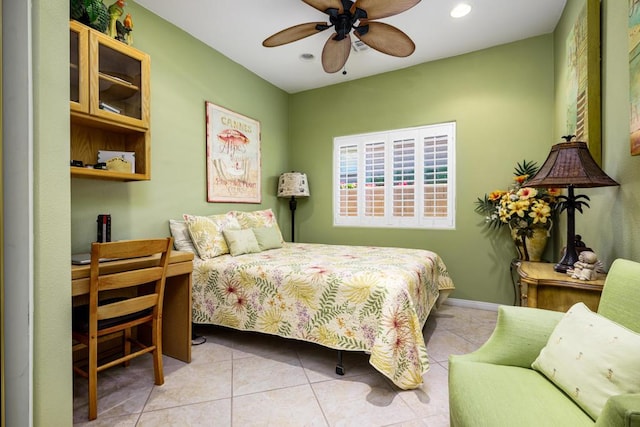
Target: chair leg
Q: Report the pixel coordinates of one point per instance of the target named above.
(93, 378)
(126, 336)
(157, 353)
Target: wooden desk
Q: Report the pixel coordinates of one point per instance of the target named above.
(176, 312)
(541, 286)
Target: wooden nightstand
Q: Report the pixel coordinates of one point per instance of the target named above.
(541, 286)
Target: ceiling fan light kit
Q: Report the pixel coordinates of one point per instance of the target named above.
(347, 15)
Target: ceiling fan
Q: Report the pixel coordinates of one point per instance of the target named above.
(346, 15)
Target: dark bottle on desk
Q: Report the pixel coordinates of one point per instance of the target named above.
(104, 228)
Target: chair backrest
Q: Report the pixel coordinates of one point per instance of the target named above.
(108, 277)
(620, 299)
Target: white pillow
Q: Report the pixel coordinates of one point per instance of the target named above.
(591, 358)
(181, 238)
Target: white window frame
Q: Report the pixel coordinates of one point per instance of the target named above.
(358, 142)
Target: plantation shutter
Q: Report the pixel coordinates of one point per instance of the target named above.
(374, 171)
(348, 190)
(404, 182)
(436, 176)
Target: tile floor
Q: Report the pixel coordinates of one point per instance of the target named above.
(248, 379)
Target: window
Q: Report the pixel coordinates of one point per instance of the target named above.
(399, 178)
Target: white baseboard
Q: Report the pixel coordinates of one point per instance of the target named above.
(478, 305)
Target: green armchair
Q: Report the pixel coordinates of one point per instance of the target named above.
(495, 385)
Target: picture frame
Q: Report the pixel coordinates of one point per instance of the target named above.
(233, 156)
(584, 116)
(634, 76)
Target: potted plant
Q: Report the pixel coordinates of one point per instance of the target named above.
(527, 211)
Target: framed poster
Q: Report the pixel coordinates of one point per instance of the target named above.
(583, 78)
(634, 75)
(233, 156)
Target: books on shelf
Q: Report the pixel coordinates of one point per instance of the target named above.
(107, 107)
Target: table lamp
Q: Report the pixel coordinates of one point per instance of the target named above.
(570, 165)
(293, 184)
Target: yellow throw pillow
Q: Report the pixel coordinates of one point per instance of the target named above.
(255, 219)
(206, 233)
(591, 358)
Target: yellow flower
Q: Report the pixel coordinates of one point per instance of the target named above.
(554, 192)
(519, 207)
(504, 215)
(540, 212)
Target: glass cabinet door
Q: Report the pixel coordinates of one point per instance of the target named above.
(119, 83)
(79, 93)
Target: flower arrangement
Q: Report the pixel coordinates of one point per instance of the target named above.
(522, 208)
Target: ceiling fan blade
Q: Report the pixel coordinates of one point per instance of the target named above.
(335, 53)
(323, 5)
(385, 38)
(377, 9)
(294, 33)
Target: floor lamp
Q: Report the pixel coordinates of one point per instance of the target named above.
(293, 184)
(570, 165)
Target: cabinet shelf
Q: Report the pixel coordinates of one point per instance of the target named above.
(113, 88)
(109, 103)
(79, 172)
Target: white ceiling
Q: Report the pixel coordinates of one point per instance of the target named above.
(236, 28)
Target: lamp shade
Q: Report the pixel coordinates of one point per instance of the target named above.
(293, 184)
(570, 164)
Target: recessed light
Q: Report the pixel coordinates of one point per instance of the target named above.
(307, 57)
(460, 10)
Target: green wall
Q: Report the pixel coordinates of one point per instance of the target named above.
(184, 74)
(500, 99)
(52, 377)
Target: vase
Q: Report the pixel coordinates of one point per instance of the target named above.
(530, 248)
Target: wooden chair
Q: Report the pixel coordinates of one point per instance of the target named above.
(108, 315)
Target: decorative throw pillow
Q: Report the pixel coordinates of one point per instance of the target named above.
(591, 358)
(206, 233)
(241, 241)
(268, 237)
(181, 238)
(255, 219)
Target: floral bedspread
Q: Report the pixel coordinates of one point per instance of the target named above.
(371, 299)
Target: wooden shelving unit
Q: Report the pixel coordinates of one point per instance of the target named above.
(109, 103)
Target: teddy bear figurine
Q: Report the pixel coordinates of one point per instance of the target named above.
(585, 267)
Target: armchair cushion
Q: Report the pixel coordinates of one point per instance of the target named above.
(520, 334)
(591, 358)
(488, 395)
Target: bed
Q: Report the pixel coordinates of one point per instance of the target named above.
(355, 298)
